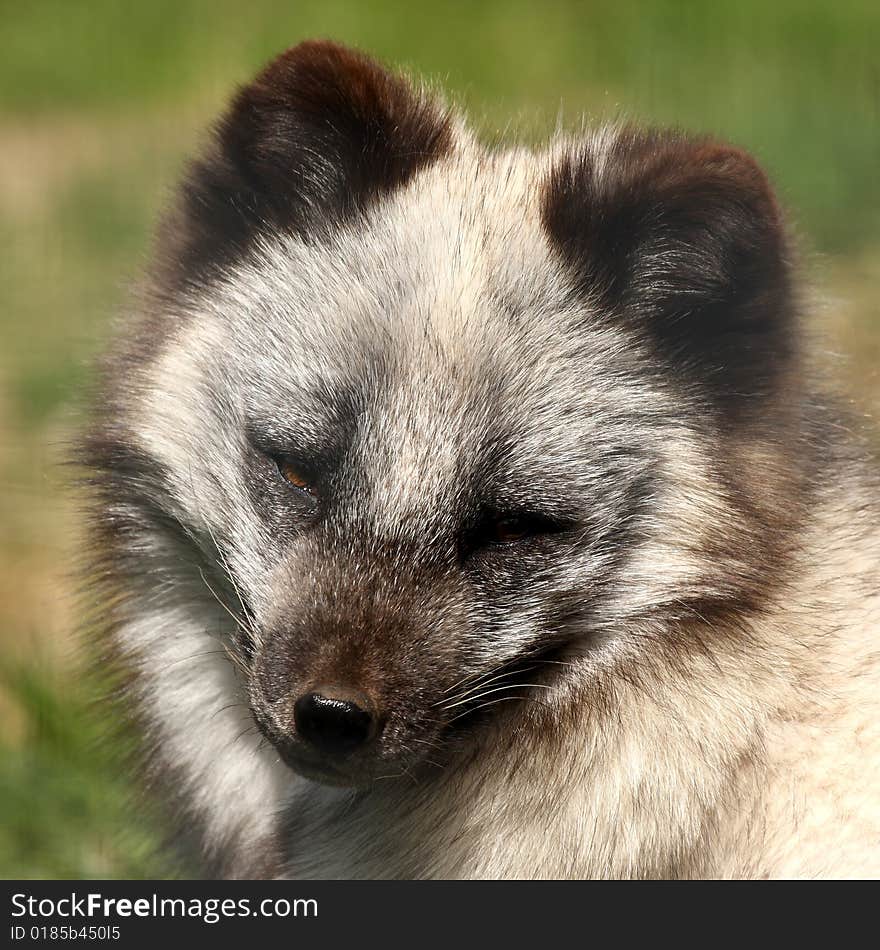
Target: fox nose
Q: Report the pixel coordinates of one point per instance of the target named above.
(335, 721)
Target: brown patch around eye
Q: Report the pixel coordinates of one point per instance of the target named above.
(294, 475)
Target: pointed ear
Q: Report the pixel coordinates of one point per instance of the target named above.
(317, 136)
(683, 240)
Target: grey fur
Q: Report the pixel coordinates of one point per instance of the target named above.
(436, 361)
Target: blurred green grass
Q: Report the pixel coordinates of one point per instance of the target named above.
(101, 100)
(66, 802)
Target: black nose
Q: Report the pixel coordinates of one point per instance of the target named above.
(334, 724)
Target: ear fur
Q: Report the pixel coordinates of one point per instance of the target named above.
(682, 239)
(318, 135)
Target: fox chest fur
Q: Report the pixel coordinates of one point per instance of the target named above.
(469, 512)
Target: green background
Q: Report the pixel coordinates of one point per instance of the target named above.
(100, 100)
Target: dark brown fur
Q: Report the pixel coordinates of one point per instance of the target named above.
(312, 141)
(682, 238)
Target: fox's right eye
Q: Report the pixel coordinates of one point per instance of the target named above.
(295, 476)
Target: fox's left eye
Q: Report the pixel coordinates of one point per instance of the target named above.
(512, 528)
(508, 530)
(294, 475)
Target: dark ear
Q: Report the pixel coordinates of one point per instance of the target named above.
(682, 239)
(317, 136)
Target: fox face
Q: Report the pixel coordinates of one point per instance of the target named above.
(429, 431)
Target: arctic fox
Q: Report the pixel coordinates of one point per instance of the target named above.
(469, 512)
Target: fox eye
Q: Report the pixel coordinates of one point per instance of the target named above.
(295, 476)
(509, 530)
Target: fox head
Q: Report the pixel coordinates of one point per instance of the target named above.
(436, 434)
